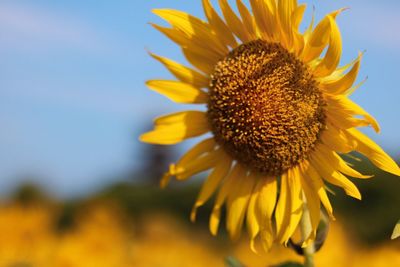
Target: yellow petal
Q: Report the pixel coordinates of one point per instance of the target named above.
(343, 120)
(290, 205)
(339, 72)
(312, 198)
(282, 212)
(355, 87)
(166, 178)
(177, 36)
(192, 154)
(375, 154)
(296, 204)
(247, 19)
(285, 11)
(199, 61)
(396, 231)
(218, 25)
(332, 57)
(268, 197)
(198, 150)
(318, 185)
(330, 174)
(267, 236)
(184, 74)
(297, 17)
(174, 35)
(338, 163)
(195, 29)
(203, 163)
(253, 223)
(211, 184)
(318, 39)
(233, 22)
(342, 108)
(237, 204)
(336, 140)
(263, 11)
(176, 127)
(309, 30)
(228, 185)
(342, 84)
(313, 204)
(265, 208)
(178, 91)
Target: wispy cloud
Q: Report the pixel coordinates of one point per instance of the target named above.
(28, 27)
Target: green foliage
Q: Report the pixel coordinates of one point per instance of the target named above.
(140, 199)
(30, 194)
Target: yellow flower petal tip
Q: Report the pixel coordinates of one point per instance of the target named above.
(144, 138)
(193, 213)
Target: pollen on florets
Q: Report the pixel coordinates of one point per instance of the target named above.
(265, 107)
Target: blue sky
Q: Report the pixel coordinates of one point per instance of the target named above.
(72, 94)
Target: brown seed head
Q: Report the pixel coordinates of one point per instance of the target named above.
(265, 107)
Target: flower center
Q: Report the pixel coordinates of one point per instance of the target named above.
(265, 107)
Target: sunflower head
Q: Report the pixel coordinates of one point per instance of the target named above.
(279, 111)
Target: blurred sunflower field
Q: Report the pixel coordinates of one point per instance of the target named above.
(132, 224)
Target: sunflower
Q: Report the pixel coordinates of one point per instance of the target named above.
(278, 108)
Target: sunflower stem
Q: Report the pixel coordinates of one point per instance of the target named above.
(306, 229)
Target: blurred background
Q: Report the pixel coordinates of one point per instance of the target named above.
(78, 189)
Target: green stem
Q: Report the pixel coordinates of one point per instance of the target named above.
(306, 229)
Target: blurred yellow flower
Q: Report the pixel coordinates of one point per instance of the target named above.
(163, 241)
(99, 239)
(26, 235)
(279, 111)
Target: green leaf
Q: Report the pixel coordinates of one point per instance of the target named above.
(232, 262)
(396, 231)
